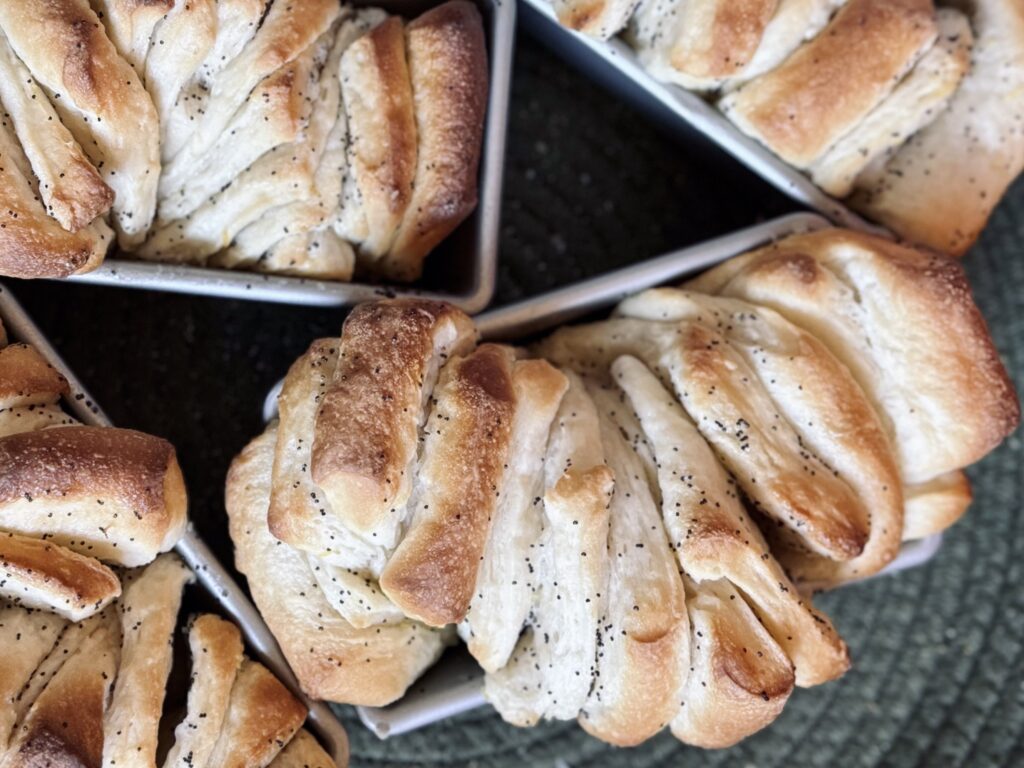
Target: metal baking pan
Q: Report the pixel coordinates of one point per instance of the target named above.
(615, 65)
(462, 270)
(454, 684)
(210, 574)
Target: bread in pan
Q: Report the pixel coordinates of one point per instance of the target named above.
(26, 637)
(251, 129)
(630, 540)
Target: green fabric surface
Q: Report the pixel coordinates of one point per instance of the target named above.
(938, 672)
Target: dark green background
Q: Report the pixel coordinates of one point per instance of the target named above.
(938, 676)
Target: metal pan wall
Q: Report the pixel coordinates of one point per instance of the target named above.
(614, 64)
(210, 574)
(462, 270)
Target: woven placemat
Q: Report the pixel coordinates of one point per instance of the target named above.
(938, 678)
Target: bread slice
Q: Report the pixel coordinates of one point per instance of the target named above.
(113, 494)
(644, 635)
(303, 751)
(827, 86)
(26, 637)
(332, 659)
(216, 647)
(148, 613)
(552, 667)
(367, 428)
(262, 717)
(503, 595)
(40, 574)
(448, 70)
(432, 573)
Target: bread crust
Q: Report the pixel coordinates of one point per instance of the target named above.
(832, 82)
(367, 427)
(378, 98)
(448, 70)
(331, 659)
(101, 100)
(27, 379)
(64, 726)
(262, 717)
(119, 492)
(904, 323)
(216, 647)
(432, 573)
(148, 613)
(40, 574)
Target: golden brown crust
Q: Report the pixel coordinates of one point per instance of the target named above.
(70, 186)
(331, 659)
(119, 493)
(27, 379)
(976, 143)
(382, 132)
(448, 67)
(262, 717)
(724, 38)
(40, 574)
(432, 574)
(829, 84)
(904, 323)
(367, 427)
(64, 726)
(102, 101)
(31, 243)
(216, 647)
(303, 751)
(148, 613)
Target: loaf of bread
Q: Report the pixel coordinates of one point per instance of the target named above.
(626, 520)
(312, 139)
(873, 99)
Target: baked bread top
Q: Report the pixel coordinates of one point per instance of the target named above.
(616, 516)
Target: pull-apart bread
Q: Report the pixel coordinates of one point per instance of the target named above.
(874, 99)
(625, 522)
(308, 138)
(89, 604)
